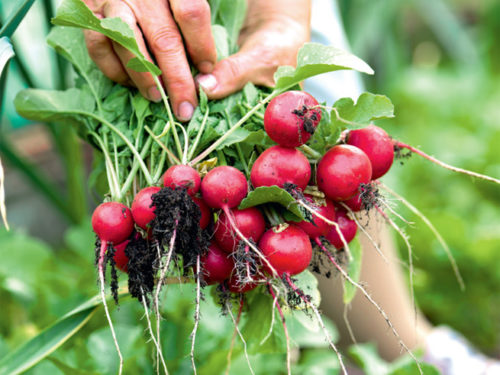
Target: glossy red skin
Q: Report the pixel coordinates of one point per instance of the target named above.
(282, 125)
(235, 287)
(289, 251)
(224, 186)
(182, 176)
(341, 170)
(112, 222)
(278, 165)
(206, 214)
(347, 227)
(142, 211)
(377, 145)
(121, 259)
(355, 203)
(318, 227)
(216, 265)
(249, 221)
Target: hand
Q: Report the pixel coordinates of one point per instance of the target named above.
(273, 32)
(161, 25)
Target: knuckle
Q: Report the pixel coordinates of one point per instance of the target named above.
(232, 68)
(165, 39)
(98, 47)
(191, 12)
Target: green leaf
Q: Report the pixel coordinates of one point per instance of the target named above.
(70, 44)
(368, 107)
(76, 14)
(232, 15)
(308, 283)
(353, 269)
(314, 59)
(317, 362)
(221, 41)
(46, 342)
(275, 194)
(6, 53)
(366, 357)
(15, 19)
(55, 106)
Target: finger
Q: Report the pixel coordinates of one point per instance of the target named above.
(101, 52)
(193, 18)
(165, 42)
(144, 81)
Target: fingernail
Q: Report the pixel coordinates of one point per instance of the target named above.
(206, 67)
(154, 94)
(186, 110)
(207, 81)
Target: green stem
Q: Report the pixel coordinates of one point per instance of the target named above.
(236, 126)
(160, 143)
(161, 165)
(256, 114)
(238, 147)
(112, 181)
(313, 153)
(169, 113)
(135, 167)
(198, 136)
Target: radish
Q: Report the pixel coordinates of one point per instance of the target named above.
(236, 286)
(206, 214)
(143, 210)
(216, 265)
(120, 258)
(287, 248)
(341, 170)
(249, 221)
(377, 145)
(291, 118)
(224, 187)
(347, 226)
(355, 203)
(112, 222)
(182, 176)
(279, 165)
(318, 227)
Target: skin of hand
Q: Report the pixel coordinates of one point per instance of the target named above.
(273, 32)
(271, 36)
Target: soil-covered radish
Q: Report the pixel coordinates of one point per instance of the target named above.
(347, 227)
(341, 171)
(249, 221)
(224, 187)
(355, 203)
(235, 286)
(280, 165)
(291, 118)
(216, 265)
(143, 211)
(287, 248)
(120, 258)
(182, 176)
(318, 227)
(377, 145)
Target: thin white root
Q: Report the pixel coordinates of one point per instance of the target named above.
(150, 329)
(235, 332)
(285, 329)
(330, 222)
(197, 312)
(433, 230)
(348, 325)
(242, 340)
(377, 306)
(365, 232)
(100, 267)
(269, 333)
(392, 211)
(320, 321)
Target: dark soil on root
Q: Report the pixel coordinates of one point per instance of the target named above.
(176, 211)
(401, 154)
(108, 258)
(308, 117)
(142, 261)
(370, 196)
(243, 256)
(296, 298)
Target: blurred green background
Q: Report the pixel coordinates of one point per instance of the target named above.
(437, 60)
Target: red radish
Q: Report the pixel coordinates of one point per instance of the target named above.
(290, 118)
(318, 227)
(236, 287)
(120, 258)
(249, 221)
(347, 227)
(288, 250)
(112, 222)
(224, 187)
(341, 170)
(182, 176)
(355, 203)
(279, 165)
(216, 265)
(206, 214)
(377, 145)
(142, 210)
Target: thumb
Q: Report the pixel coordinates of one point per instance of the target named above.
(234, 72)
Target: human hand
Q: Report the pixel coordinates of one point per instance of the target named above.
(273, 32)
(161, 25)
